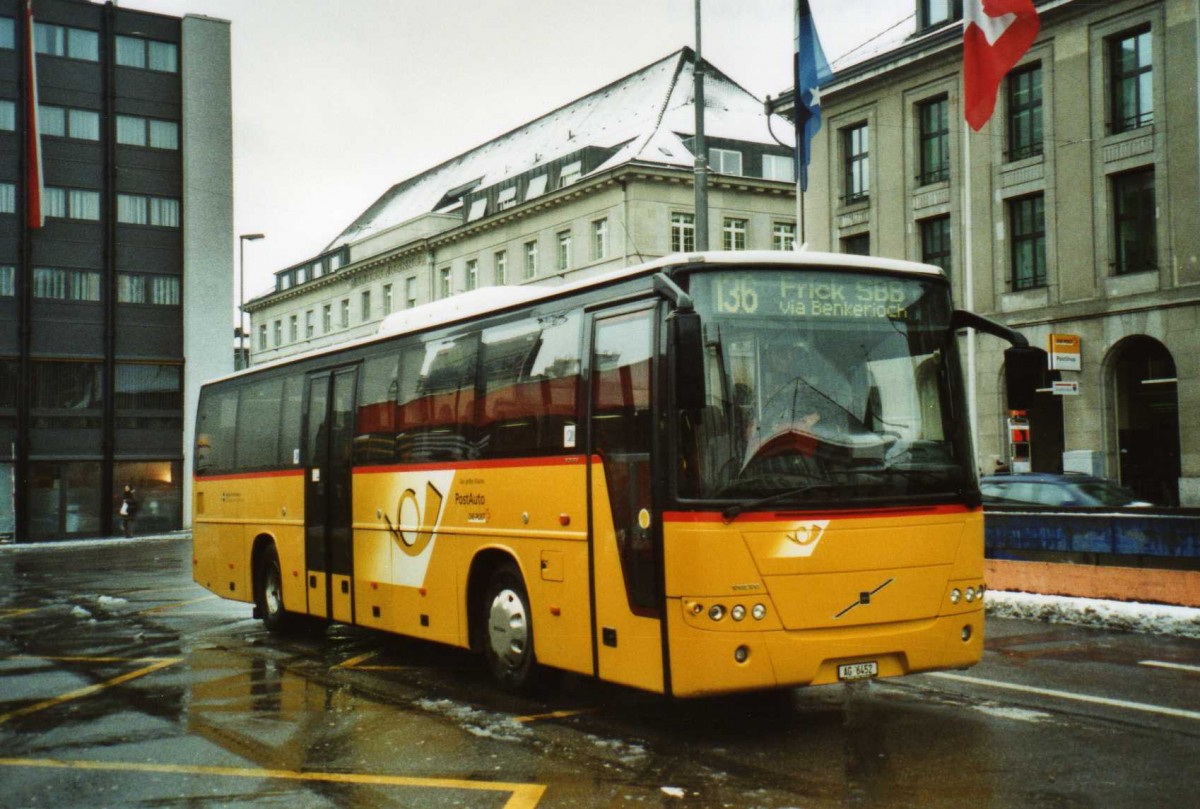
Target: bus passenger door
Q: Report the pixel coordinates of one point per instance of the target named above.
(626, 544)
(328, 534)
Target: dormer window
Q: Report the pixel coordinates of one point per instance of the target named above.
(478, 209)
(935, 13)
(537, 187)
(570, 174)
(507, 198)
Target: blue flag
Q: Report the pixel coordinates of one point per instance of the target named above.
(811, 72)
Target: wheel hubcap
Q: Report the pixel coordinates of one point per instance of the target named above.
(272, 593)
(508, 628)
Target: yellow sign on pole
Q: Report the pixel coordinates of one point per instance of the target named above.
(1065, 352)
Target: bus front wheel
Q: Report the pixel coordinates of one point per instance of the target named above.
(508, 642)
(268, 594)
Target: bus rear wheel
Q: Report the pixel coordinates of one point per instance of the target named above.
(268, 594)
(508, 641)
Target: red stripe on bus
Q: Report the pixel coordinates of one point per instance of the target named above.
(504, 463)
(277, 473)
(785, 514)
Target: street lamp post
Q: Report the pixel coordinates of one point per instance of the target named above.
(242, 345)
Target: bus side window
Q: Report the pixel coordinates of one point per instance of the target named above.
(291, 413)
(215, 437)
(258, 415)
(375, 423)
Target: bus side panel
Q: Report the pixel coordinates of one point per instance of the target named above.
(418, 531)
(221, 566)
(630, 646)
(273, 506)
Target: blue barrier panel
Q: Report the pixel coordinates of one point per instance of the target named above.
(1131, 532)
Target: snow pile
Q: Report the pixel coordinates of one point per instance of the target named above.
(1156, 619)
(476, 722)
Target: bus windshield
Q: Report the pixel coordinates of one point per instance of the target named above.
(823, 387)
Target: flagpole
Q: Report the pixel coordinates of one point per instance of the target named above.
(700, 149)
(969, 289)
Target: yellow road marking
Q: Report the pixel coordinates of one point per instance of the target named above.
(13, 613)
(176, 605)
(160, 663)
(523, 796)
(555, 715)
(354, 661)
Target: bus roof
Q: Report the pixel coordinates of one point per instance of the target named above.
(488, 300)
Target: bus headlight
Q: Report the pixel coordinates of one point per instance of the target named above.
(955, 595)
(970, 595)
(758, 612)
(716, 612)
(738, 612)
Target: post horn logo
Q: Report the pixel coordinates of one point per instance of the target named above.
(413, 529)
(805, 536)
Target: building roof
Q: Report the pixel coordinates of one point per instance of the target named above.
(642, 118)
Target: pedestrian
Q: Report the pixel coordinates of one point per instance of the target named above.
(129, 507)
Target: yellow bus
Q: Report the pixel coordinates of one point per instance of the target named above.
(709, 473)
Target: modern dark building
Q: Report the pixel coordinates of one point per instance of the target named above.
(113, 311)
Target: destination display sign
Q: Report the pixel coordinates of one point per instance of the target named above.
(814, 296)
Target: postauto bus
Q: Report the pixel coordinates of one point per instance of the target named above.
(710, 473)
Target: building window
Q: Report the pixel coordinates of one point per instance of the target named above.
(278, 329)
(1134, 222)
(472, 274)
(71, 203)
(932, 13)
(133, 209)
(935, 242)
(507, 198)
(501, 268)
(301, 274)
(779, 167)
(531, 259)
(8, 281)
(536, 187)
(262, 337)
(364, 309)
(410, 292)
(8, 33)
(327, 318)
(933, 120)
(8, 115)
(66, 285)
(725, 161)
(150, 132)
(65, 122)
(1131, 77)
(599, 240)
(345, 313)
(59, 40)
(856, 149)
(387, 299)
(1027, 221)
(570, 174)
(564, 250)
(1025, 112)
(733, 234)
(857, 245)
(294, 328)
(8, 198)
(445, 283)
(783, 236)
(147, 54)
(683, 232)
(310, 324)
(157, 290)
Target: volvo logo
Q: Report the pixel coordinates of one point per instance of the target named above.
(864, 599)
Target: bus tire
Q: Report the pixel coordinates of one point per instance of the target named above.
(268, 594)
(508, 631)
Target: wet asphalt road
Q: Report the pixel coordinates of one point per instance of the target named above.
(124, 684)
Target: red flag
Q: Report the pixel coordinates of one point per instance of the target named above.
(996, 34)
(33, 139)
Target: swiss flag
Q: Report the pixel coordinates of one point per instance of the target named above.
(996, 34)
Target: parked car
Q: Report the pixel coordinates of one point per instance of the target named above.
(1064, 491)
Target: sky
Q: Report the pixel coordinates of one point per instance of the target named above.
(335, 101)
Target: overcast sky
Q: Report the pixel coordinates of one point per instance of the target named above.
(334, 101)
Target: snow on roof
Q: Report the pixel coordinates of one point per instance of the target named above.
(642, 116)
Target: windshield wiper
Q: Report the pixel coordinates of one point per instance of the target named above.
(737, 508)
